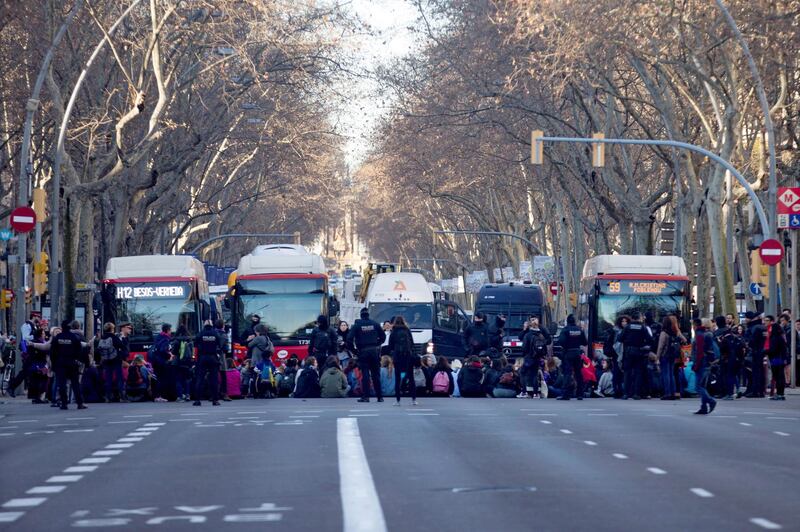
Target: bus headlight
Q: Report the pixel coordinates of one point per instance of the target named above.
(429, 348)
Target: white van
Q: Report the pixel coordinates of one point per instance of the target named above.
(436, 325)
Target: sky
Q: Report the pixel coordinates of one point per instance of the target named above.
(392, 39)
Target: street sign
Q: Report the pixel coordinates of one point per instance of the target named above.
(5, 234)
(771, 252)
(85, 287)
(788, 208)
(755, 289)
(23, 219)
(554, 288)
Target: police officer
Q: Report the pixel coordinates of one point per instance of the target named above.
(365, 339)
(66, 353)
(637, 343)
(210, 344)
(476, 336)
(572, 340)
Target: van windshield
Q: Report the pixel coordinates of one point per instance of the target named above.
(417, 315)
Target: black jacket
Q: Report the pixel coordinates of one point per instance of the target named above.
(66, 351)
(756, 334)
(316, 347)
(365, 334)
(401, 347)
(496, 333)
(307, 384)
(209, 344)
(470, 379)
(634, 337)
(490, 378)
(571, 339)
(476, 338)
(535, 342)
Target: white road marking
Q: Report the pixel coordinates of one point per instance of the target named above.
(40, 490)
(589, 409)
(7, 433)
(779, 433)
(302, 417)
(120, 422)
(297, 424)
(590, 442)
(363, 410)
(25, 421)
(296, 412)
(150, 429)
(77, 418)
(154, 424)
(362, 415)
(119, 445)
(125, 440)
(81, 469)
(542, 414)
(250, 417)
(196, 414)
(700, 492)
(184, 419)
(762, 413)
(79, 430)
(784, 418)
(765, 523)
(742, 423)
(97, 460)
(137, 434)
(205, 426)
(113, 452)
(566, 431)
(40, 432)
(140, 415)
(545, 422)
(421, 414)
(609, 415)
(62, 424)
(656, 471)
(24, 502)
(10, 517)
(361, 507)
(620, 456)
(415, 409)
(65, 478)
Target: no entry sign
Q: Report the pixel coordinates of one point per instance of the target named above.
(23, 219)
(771, 252)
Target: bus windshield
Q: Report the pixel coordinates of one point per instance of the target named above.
(288, 307)
(417, 315)
(609, 307)
(149, 305)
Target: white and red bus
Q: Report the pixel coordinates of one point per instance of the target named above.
(618, 285)
(150, 290)
(286, 286)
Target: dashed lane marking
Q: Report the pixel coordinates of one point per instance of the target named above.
(779, 433)
(111, 452)
(620, 456)
(95, 460)
(543, 415)
(421, 414)
(139, 415)
(10, 517)
(590, 442)
(608, 415)
(154, 424)
(765, 523)
(137, 434)
(62, 425)
(64, 478)
(126, 440)
(119, 445)
(78, 418)
(656, 471)
(545, 422)
(24, 502)
(302, 417)
(783, 418)
(356, 415)
(79, 430)
(700, 492)
(40, 432)
(41, 490)
(566, 431)
(7, 433)
(81, 469)
(121, 422)
(742, 423)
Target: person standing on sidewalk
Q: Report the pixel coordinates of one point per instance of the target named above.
(365, 339)
(704, 353)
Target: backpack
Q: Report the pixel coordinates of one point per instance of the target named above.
(401, 346)
(713, 354)
(322, 343)
(106, 349)
(135, 378)
(539, 343)
(441, 384)
(674, 349)
(419, 378)
(287, 383)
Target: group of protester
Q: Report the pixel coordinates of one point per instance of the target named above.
(640, 359)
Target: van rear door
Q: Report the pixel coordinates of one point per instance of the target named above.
(449, 322)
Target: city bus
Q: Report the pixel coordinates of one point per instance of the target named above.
(616, 285)
(286, 286)
(150, 290)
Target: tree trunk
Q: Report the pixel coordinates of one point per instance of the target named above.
(724, 299)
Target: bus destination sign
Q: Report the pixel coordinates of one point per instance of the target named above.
(136, 292)
(642, 287)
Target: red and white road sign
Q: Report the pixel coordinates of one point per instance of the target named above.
(771, 252)
(554, 288)
(789, 200)
(23, 219)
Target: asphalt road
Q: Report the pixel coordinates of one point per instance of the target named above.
(447, 465)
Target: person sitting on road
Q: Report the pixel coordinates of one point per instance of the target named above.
(307, 386)
(508, 383)
(605, 386)
(139, 381)
(492, 374)
(387, 375)
(442, 384)
(333, 383)
(287, 380)
(470, 378)
(248, 379)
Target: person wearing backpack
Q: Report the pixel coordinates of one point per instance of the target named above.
(470, 378)
(534, 351)
(731, 347)
(110, 348)
(704, 353)
(670, 341)
(324, 341)
(183, 361)
(401, 348)
(443, 383)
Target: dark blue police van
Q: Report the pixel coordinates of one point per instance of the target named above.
(518, 302)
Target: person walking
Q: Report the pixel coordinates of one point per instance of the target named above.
(572, 340)
(210, 346)
(636, 341)
(67, 356)
(704, 353)
(401, 348)
(365, 340)
(110, 348)
(670, 341)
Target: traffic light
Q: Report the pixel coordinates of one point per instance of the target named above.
(598, 151)
(6, 298)
(40, 269)
(28, 296)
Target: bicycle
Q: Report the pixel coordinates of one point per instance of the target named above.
(9, 357)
